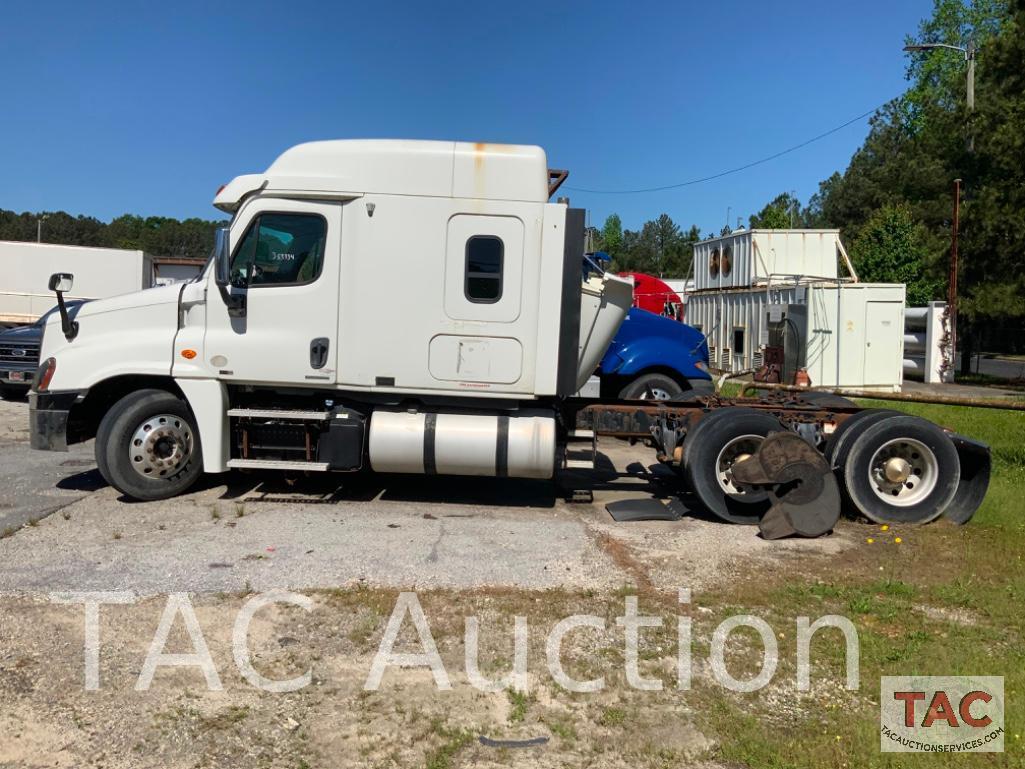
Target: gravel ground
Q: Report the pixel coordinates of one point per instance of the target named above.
(238, 532)
(481, 547)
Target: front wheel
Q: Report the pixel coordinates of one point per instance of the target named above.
(147, 446)
(657, 387)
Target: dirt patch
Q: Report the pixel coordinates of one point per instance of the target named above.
(178, 722)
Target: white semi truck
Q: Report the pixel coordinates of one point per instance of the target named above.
(297, 350)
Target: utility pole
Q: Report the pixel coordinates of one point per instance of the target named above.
(39, 227)
(951, 312)
(969, 56)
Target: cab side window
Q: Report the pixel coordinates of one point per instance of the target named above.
(280, 249)
(485, 255)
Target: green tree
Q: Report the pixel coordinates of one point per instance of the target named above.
(156, 235)
(781, 213)
(993, 232)
(612, 235)
(890, 249)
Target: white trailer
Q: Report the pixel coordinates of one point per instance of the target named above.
(25, 269)
(296, 350)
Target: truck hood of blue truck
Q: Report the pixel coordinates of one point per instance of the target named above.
(646, 341)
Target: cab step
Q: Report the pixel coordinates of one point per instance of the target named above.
(301, 416)
(277, 464)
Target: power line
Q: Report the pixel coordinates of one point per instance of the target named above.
(719, 175)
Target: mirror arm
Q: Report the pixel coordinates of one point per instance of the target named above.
(68, 326)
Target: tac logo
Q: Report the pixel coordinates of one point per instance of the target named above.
(948, 714)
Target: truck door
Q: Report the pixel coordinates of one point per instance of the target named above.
(278, 322)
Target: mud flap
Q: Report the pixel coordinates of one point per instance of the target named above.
(802, 488)
(974, 481)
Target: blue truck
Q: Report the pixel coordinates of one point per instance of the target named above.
(654, 357)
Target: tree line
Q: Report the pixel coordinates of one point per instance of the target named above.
(156, 235)
(894, 202)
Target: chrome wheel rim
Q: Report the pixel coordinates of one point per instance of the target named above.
(160, 446)
(655, 394)
(738, 448)
(903, 472)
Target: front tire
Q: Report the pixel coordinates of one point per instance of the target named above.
(659, 387)
(147, 446)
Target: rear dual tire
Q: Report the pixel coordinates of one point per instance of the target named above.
(898, 469)
(712, 447)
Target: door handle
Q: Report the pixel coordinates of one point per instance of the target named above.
(318, 352)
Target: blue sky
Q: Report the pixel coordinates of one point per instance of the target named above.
(148, 107)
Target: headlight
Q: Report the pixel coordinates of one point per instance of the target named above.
(45, 374)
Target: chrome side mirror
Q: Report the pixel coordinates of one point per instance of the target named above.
(61, 282)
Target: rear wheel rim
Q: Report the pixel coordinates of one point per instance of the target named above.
(160, 446)
(903, 472)
(737, 448)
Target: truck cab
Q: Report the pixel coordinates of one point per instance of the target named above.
(296, 349)
(655, 357)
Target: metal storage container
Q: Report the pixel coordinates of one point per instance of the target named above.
(852, 335)
(752, 257)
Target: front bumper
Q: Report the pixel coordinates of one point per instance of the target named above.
(48, 414)
(17, 375)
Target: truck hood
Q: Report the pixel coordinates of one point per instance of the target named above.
(21, 334)
(146, 297)
(127, 334)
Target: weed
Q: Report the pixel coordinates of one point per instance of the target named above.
(612, 717)
(454, 741)
(520, 702)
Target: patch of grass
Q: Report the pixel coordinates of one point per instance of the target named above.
(364, 628)
(988, 380)
(562, 729)
(116, 535)
(453, 740)
(612, 717)
(215, 513)
(227, 718)
(520, 702)
(66, 515)
(882, 588)
(240, 509)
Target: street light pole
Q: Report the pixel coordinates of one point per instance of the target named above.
(951, 311)
(39, 227)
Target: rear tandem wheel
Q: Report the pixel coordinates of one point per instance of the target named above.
(710, 450)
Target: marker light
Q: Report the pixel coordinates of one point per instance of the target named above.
(45, 374)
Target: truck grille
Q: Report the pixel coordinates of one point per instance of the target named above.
(20, 353)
